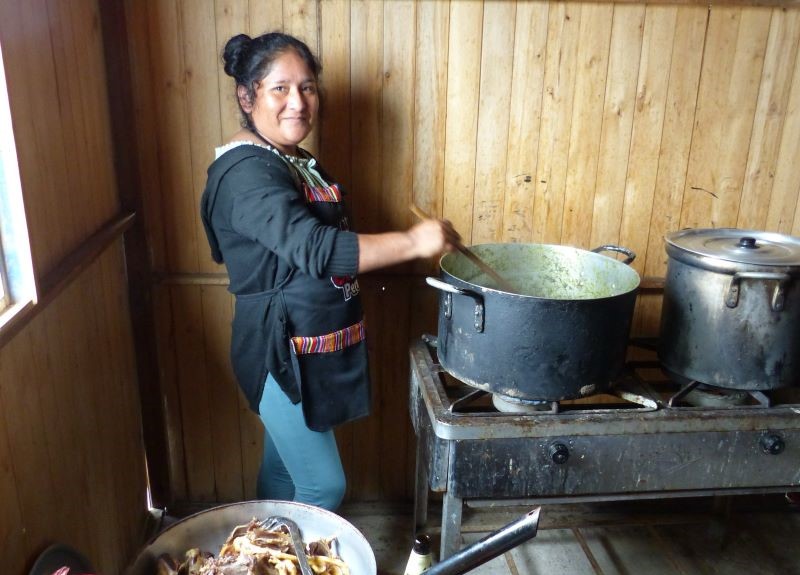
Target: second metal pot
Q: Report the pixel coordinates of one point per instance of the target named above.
(563, 336)
(731, 308)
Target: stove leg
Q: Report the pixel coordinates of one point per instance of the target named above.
(452, 508)
(420, 491)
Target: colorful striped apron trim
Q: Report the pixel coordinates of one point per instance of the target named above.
(334, 341)
(322, 194)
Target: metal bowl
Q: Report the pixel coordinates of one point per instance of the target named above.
(209, 529)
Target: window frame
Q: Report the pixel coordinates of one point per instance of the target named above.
(5, 298)
(16, 267)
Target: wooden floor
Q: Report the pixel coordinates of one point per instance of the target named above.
(734, 535)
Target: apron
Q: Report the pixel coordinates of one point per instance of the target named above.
(307, 333)
(325, 323)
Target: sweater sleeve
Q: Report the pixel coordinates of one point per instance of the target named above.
(268, 209)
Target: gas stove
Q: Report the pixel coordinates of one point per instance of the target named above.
(647, 437)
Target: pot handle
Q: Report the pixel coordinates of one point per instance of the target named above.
(612, 248)
(444, 286)
(491, 546)
(448, 305)
(778, 296)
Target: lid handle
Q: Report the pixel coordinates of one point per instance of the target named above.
(748, 243)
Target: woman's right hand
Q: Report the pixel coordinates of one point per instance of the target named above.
(431, 237)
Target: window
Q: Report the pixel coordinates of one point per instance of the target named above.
(17, 288)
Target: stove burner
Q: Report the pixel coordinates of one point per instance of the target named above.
(705, 396)
(697, 394)
(507, 404)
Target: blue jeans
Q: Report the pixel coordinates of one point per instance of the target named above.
(299, 464)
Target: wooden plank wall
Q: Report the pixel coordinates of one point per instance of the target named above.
(555, 122)
(71, 458)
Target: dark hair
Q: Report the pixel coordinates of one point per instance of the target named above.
(248, 61)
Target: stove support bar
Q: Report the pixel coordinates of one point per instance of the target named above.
(420, 489)
(452, 508)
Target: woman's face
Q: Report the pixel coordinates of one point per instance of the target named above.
(286, 102)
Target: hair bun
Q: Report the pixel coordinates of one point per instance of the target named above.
(235, 49)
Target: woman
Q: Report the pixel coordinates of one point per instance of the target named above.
(278, 222)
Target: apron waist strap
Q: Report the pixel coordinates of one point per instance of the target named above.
(333, 341)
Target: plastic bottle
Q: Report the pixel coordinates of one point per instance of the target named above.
(420, 558)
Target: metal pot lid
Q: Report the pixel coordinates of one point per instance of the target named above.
(739, 246)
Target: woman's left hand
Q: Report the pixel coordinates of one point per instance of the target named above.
(428, 238)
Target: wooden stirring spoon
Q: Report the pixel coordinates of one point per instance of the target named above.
(503, 283)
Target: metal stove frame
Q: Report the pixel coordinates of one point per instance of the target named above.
(647, 450)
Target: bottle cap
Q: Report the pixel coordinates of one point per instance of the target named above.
(422, 544)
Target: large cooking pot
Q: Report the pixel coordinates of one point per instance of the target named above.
(732, 308)
(562, 336)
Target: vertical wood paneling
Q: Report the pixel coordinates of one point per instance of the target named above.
(676, 138)
(772, 101)
(172, 130)
(398, 114)
(430, 111)
(84, 407)
(223, 394)
(335, 117)
(366, 77)
(497, 64)
(57, 429)
(559, 89)
(12, 532)
(587, 115)
(265, 16)
(300, 20)
(65, 384)
(463, 87)
(119, 390)
(527, 86)
(751, 47)
(68, 82)
(203, 103)
(618, 112)
(231, 20)
(165, 336)
(91, 208)
(36, 493)
(430, 96)
(186, 303)
(395, 425)
(146, 137)
(648, 121)
(782, 215)
(796, 226)
(726, 104)
(66, 410)
(363, 476)
(252, 439)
